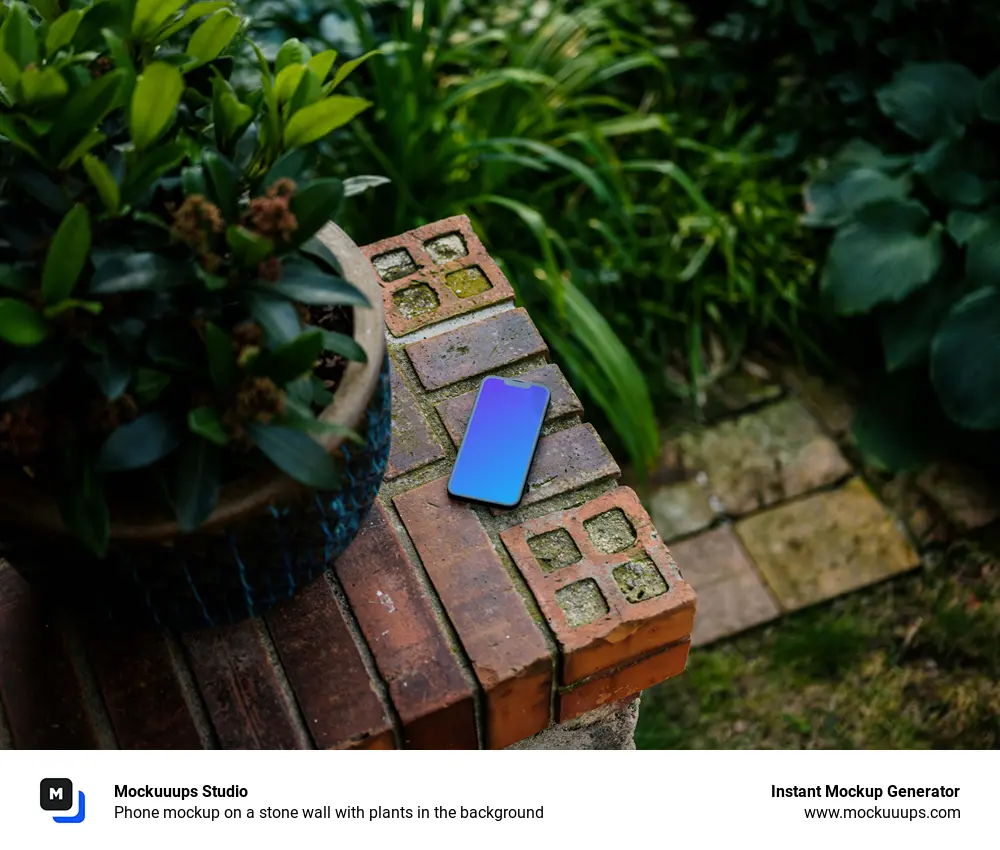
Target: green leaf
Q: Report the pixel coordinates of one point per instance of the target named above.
(193, 180)
(67, 304)
(48, 10)
(112, 372)
(197, 482)
(83, 508)
(150, 15)
(31, 369)
(222, 183)
(907, 328)
(221, 357)
(287, 81)
(132, 272)
(965, 361)
(291, 166)
(10, 74)
(154, 102)
(191, 14)
(231, 116)
(297, 455)
(316, 249)
(207, 422)
(348, 68)
(882, 256)
(213, 36)
(278, 317)
(140, 443)
(890, 427)
(87, 108)
(319, 120)
(42, 86)
(834, 194)
(149, 384)
(307, 92)
(982, 256)
(321, 64)
(989, 97)
(19, 40)
(62, 30)
(21, 324)
(249, 248)
(964, 224)
(362, 183)
(314, 205)
(153, 165)
(287, 362)
(344, 345)
(67, 255)
(87, 143)
(292, 52)
(103, 181)
(931, 100)
(306, 284)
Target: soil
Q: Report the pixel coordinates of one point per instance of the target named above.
(341, 320)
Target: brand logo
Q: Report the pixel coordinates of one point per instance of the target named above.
(56, 795)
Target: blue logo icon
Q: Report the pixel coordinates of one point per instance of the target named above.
(56, 795)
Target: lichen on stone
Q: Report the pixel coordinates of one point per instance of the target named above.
(554, 550)
(416, 300)
(443, 249)
(394, 264)
(640, 580)
(611, 531)
(582, 602)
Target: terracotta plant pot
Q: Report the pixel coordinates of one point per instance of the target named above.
(268, 538)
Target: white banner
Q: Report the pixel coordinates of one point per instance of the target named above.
(490, 800)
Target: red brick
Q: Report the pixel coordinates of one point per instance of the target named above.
(241, 689)
(427, 272)
(623, 683)
(142, 692)
(506, 647)
(628, 630)
(41, 695)
(475, 349)
(455, 412)
(325, 669)
(413, 445)
(566, 460)
(433, 699)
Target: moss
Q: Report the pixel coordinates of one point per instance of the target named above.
(468, 282)
(416, 300)
(554, 550)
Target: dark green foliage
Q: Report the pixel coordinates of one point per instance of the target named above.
(916, 245)
(155, 215)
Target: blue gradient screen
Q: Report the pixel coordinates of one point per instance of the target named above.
(493, 461)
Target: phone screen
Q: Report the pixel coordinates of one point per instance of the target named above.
(499, 443)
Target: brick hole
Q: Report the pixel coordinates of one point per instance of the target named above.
(611, 531)
(554, 550)
(394, 264)
(444, 249)
(416, 300)
(582, 601)
(640, 580)
(468, 282)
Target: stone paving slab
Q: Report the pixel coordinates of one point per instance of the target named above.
(826, 545)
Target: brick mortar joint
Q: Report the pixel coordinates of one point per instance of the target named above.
(92, 696)
(302, 731)
(190, 693)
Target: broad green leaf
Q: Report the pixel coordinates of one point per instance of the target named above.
(231, 116)
(319, 120)
(834, 194)
(104, 182)
(62, 30)
(140, 443)
(278, 317)
(19, 41)
(222, 183)
(93, 307)
(306, 284)
(67, 255)
(965, 361)
(21, 324)
(883, 255)
(290, 165)
(989, 97)
(964, 224)
(287, 81)
(908, 327)
(88, 108)
(31, 369)
(191, 14)
(293, 359)
(344, 345)
(314, 205)
(207, 422)
(221, 357)
(149, 384)
(48, 10)
(153, 165)
(249, 248)
(150, 15)
(362, 183)
(193, 180)
(131, 272)
(10, 74)
(16, 137)
(292, 52)
(931, 100)
(316, 249)
(321, 64)
(87, 143)
(348, 68)
(154, 103)
(112, 372)
(197, 481)
(83, 508)
(42, 86)
(891, 428)
(297, 455)
(982, 256)
(951, 170)
(213, 36)
(307, 92)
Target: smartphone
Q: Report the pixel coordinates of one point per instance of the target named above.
(500, 441)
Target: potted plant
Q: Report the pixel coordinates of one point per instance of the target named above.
(194, 397)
